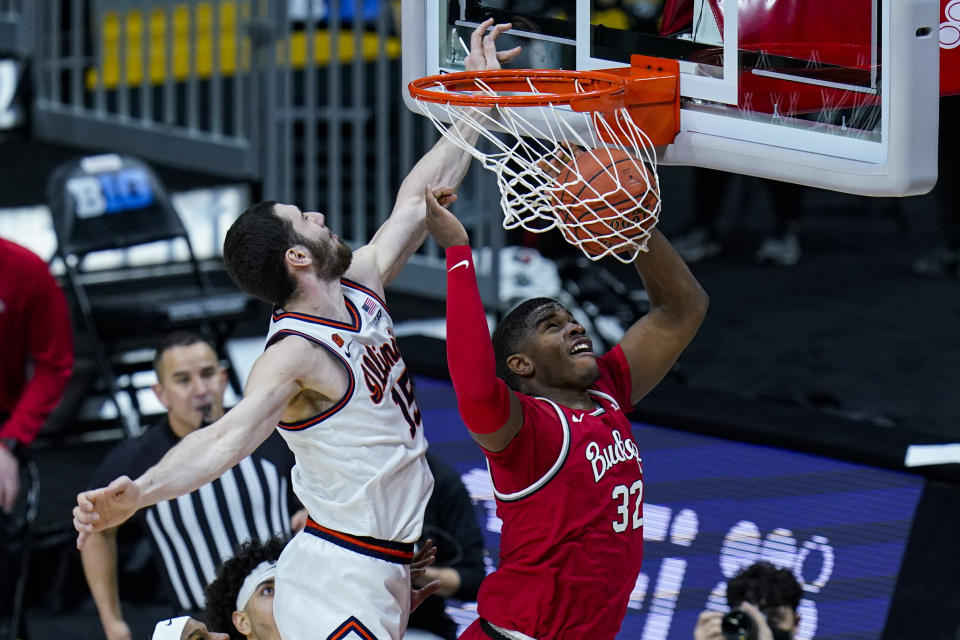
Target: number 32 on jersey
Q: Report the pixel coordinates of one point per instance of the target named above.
(626, 497)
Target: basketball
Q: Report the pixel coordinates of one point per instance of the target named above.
(608, 198)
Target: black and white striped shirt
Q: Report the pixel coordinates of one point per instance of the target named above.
(194, 533)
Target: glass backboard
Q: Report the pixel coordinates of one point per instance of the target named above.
(839, 95)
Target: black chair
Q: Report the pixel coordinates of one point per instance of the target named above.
(16, 533)
(106, 202)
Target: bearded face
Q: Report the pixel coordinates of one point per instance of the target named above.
(331, 257)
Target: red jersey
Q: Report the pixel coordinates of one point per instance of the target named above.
(569, 490)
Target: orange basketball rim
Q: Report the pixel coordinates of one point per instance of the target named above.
(649, 90)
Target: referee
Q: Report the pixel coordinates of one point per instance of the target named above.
(192, 535)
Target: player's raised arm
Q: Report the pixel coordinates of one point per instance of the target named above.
(205, 454)
(491, 411)
(678, 305)
(445, 164)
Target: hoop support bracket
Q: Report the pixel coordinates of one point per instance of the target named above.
(651, 98)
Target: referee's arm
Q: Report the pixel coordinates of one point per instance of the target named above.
(99, 558)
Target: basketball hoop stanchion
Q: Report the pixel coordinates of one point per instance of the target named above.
(570, 149)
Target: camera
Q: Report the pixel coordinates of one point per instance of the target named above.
(737, 625)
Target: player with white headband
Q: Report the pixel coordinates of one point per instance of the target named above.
(240, 599)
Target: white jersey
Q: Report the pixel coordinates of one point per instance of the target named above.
(360, 464)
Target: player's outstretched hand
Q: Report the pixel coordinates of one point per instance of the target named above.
(443, 225)
(483, 54)
(104, 508)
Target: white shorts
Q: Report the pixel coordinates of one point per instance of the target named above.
(327, 592)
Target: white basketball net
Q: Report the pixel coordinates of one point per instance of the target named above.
(532, 146)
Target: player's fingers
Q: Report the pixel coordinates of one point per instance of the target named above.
(82, 539)
(498, 29)
(429, 589)
(426, 556)
(437, 201)
(446, 201)
(476, 38)
(85, 517)
(509, 54)
(419, 595)
(420, 568)
(552, 165)
(431, 199)
(84, 502)
(556, 162)
(490, 45)
(82, 527)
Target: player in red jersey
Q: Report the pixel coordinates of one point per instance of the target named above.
(551, 418)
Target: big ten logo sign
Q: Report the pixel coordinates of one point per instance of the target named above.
(810, 561)
(110, 192)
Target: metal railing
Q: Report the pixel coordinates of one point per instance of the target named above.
(301, 96)
(17, 27)
(167, 80)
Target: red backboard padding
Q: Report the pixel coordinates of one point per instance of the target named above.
(949, 47)
(835, 32)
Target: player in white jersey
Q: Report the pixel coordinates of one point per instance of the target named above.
(332, 380)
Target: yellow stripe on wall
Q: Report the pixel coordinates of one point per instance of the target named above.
(206, 15)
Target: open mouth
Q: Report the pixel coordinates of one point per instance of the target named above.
(581, 348)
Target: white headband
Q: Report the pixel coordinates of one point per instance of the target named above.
(170, 629)
(263, 572)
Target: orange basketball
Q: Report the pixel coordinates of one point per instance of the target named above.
(606, 200)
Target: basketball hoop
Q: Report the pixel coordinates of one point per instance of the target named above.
(544, 125)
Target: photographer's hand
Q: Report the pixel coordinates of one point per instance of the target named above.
(763, 629)
(708, 626)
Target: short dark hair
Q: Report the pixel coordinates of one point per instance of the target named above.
(510, 335)
(764, 586)
(221, 594)
(177, 339)
(253, 253)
